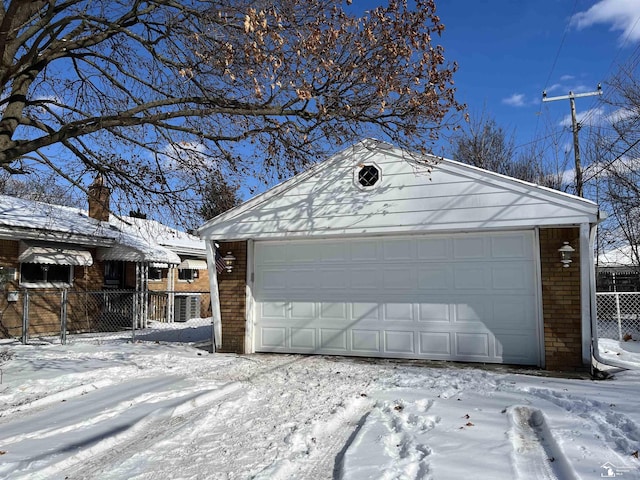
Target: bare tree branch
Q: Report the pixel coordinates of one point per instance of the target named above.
(158, 94)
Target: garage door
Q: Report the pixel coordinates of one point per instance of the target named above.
(463, 297)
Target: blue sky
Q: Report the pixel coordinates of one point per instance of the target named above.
(509, 51)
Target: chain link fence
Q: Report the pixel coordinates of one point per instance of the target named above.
(618, 315)
(68, 316)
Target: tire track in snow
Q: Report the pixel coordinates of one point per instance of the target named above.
(397, 433)
(84, 449)
(315, 452)
(108, 402)
(163, 423)
(536, 453)
(294, 417)
(620, 432)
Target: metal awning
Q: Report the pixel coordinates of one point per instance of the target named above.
(193, 264)
(121, 253)
(56, 256)
(126, 253)
(158, 265)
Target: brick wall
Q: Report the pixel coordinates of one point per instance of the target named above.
(200, 284)
(89, 278)
(561, 300)
(232, 287)
(44, 305)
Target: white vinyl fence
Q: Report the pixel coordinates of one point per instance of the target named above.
(618, 315)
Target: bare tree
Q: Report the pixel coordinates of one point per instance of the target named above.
(153, 93)
(485, 144)
(39, 189)
(614, 152)
(482, 143)
(218, 196)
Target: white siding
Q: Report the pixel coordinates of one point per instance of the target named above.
(452, 197)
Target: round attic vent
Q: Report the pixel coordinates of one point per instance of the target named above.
(368, 176)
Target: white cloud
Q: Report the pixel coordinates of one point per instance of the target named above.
(620, 166)
(593, 116)
(565, 88)
(621, 15)
(569, 176)
(566, 78)
(620, 115)
(598, 116)
(582, 88)
(554, 87)
(184, 155)
(52, 102)
(515, 100)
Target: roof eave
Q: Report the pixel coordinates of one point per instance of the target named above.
(25, 233)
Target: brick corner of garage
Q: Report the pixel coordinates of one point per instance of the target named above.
(561, 303)
(232, 291)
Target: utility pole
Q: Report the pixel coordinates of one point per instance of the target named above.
(576, 127)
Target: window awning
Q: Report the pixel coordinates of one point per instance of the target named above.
(56, 256)
(193, 264)
(153, 255)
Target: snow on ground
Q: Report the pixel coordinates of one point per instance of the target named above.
(622, 353)
(152, 410)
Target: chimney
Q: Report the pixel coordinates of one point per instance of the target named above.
(99, 195)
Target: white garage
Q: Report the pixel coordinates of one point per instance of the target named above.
(377, 253)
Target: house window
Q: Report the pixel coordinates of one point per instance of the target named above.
(43, 275)
(114, 274)
(187, 274)
(367, 176)
(155, 274)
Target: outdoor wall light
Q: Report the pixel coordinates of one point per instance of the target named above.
(228, 261)
(566, 251)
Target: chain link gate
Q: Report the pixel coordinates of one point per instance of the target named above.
(124, 315)
(618, 315)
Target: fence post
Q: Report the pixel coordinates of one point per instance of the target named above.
(63, 317)
(25, 317)
(134, 317)
(617, 295)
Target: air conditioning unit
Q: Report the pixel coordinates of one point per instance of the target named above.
(186, 307)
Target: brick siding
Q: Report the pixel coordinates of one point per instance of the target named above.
(200, 284)
(561, 300)
(232, 287)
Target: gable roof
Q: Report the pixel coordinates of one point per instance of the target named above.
(22, 219)
(413, 196)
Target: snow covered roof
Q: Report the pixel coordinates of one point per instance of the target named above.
(176, 240)
(27, 219)
(618, 257)
(44, 221)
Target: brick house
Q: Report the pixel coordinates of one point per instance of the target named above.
(47, 248)
(374, 253)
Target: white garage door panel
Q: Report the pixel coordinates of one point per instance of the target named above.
(464, 297)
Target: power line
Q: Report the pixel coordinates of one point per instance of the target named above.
(605, 167)
(555, 61)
